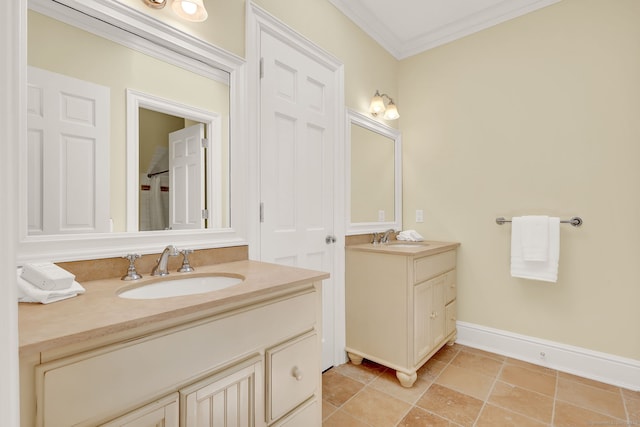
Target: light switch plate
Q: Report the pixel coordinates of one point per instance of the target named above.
(381, 215)
(419, 215)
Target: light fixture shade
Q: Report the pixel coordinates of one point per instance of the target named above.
(377, 104)
(191, 10)
(391, 113)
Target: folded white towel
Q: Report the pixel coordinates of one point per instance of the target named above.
(47, 276)
(543, 266)
(30, 293)
(409, 236)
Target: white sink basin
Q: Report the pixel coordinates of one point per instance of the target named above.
(180, 287)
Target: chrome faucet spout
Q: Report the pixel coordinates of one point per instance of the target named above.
(385, 236)
(161, 268)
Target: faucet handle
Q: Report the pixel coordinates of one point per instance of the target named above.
(132, 274)
(186, 267)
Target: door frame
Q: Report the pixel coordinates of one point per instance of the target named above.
(213, 125)
(259, 20)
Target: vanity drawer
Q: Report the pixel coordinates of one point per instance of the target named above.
(450, 288)
(308, 415)
(431, 266)
(293, 373)
(451, 317)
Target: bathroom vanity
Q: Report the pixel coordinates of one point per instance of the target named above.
(247, 355)
(400, 303)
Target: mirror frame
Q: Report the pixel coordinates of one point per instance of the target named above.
(359, 119)
(174, 46)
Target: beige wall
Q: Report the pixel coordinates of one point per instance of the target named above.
(539, 115)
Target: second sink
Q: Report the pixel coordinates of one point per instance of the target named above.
(180, 287)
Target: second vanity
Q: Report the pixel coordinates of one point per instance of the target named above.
(243, 356)
(400, 303)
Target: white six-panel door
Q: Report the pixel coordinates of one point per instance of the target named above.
(296, 150)
(186, 173)
(68, 124)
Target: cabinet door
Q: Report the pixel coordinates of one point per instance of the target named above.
(227, 399)
(422, 309)
(429, 315)
(163, 413)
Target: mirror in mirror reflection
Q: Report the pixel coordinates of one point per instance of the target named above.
(79, 171)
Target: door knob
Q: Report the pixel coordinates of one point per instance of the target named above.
(330, 239)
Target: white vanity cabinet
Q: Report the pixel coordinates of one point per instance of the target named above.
(400, 304)
(253, 363)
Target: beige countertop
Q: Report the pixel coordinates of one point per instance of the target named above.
(100, 312)
(398, 247)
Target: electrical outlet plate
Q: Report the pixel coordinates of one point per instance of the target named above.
(419, 215)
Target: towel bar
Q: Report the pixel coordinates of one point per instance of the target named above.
(576, 221)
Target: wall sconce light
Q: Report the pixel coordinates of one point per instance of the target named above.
(190, 10)
(378, 107)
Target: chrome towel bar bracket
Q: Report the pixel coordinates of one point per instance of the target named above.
(576, 221)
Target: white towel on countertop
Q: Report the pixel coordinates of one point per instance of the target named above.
(47, 276)
(410, 236)
(30, 293)
(539, 261)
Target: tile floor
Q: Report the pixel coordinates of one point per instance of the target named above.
(462, 386)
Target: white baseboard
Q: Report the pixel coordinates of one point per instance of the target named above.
(603, 367)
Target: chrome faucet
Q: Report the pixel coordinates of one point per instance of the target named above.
(385, 236)
(161, 267)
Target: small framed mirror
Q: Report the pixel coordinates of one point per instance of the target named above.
(374, 175)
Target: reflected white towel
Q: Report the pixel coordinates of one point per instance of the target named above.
(29, 293)
(545, 269)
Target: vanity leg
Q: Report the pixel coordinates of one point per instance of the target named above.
(406, 380)
(355, 359)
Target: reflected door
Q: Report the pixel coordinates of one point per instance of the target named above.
(186, 174)
(68, 152)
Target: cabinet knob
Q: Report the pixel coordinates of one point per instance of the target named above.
(297, 373)
(433, 315)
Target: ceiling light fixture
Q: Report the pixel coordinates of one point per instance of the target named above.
(190, 10)
(155, 4)
(378, 107)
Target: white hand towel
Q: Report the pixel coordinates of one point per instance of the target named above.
(535, 237)
(29, 293)
(545, 270)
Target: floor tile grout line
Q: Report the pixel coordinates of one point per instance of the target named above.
(624, 404)
(486, 399)
(555, 400)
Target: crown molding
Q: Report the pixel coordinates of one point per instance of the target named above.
(431, 38)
